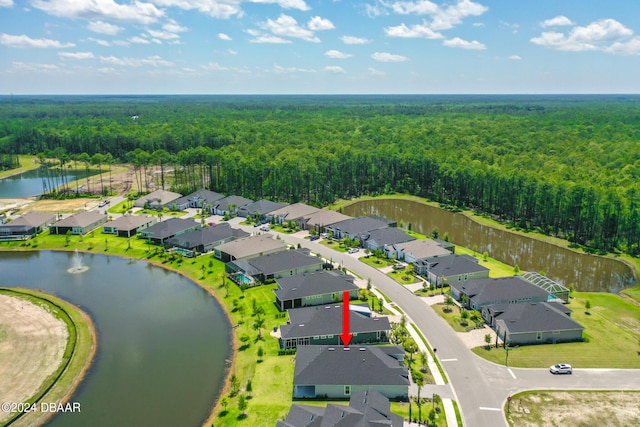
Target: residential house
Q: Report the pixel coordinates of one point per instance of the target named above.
(504, 290)
(383, 237)
(249, 247)
(453, 268)
(322, 325)
(339, 372)
(259, 208)
(533, 323)
(79, 224)
(290, 213)
(357, 228)
(321, 288)
(199, 199)
(557, 290)
(415, 250)
(320, 219)
(129, 225)
(230, 205)
(275, 265)
(162, 231)
(157, 200)
(26, 226)
(205, 239)
(367, 408)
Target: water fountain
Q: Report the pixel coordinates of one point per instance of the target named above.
(76, 264)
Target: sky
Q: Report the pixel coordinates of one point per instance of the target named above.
(319, 46)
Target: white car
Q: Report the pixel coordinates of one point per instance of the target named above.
(353, 250)
(561, 368)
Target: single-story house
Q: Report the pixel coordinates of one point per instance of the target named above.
(79, 224)
(249, 247)
(259, 208)
(160, 232)
(199, 199)
(480, 293)
(26, 225)
(367, 408)
(290, 213)
(129, 225)
(229, 205)
(205, 239)
(275, 265)
(415, 250)
(321, 288)
(379, 239)
(157, 200)
(452, 268)
(320, 219)
(322, 325)
(338, 372)
(556, 289)
(533, 323)
(357, 228)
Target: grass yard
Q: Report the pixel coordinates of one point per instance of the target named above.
(122, 207)
(452, 317)
(332, 244)
(162, 213)
(403, 277)
(496, 268)
(612, 329)
(27, 163)
(376, 262)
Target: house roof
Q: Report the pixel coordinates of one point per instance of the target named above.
(324, 217)
(537, 317)
(238, 201)
(263, 206)
(34, 219)
(422, 249)
(81, 219)
(388, 236)
(294, 211)
(207, 235)
(360, 225)
(317, 283)
(207, 196)
(169, 227)
(362, 366)
(327, 320)
(130, 222)
(367, 408)
(158, 197)
(454, 265)
(251, 246)
(486, 291)
(284, 260)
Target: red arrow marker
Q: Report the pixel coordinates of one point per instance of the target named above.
(345, 336)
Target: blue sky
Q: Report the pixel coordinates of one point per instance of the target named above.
(319, 46)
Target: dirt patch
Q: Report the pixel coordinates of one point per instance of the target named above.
(576, 409)
(32, 343)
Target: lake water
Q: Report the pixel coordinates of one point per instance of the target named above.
(29, 183)
(585, 272)
(162, 341)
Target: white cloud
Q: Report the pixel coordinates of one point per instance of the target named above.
(442, 17)
(173, 27)
(76, 55)
(388, 57)
(558, 21)
(214, 66)
(336, 54)
(101, 42)
(453, 15)
(154, 61)
(266, 38)
(108, 70)
(6, 3)
(478, 24)
(232, 52)
(515, 57)
(335, 69)
(104, 28)
(459, 43)
(415, 31)
(286, 4)
(136, 11)
(629, 47)
(223, 36)
(26, 66)
(287, 26)
(599, 35)
(420, 7)
(320, 24)
(164, 35)
(225, 9)
(139, 40)
(285, 70)
(375, 72)
(26, 41)
(354, 40)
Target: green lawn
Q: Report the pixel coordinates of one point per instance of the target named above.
(27, 163)
(403, 277)
(612, 329)
(332, 244)
(162, 213)
(496, 268)
(121, 208)
(451, 317)
(376, 262)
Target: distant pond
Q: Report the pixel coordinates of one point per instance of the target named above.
(31, 183)
(586, 272)
(163, 342)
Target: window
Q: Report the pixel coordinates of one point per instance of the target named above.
(539, 336)
(347, 390)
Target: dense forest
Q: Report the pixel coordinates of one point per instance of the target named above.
(564, 165)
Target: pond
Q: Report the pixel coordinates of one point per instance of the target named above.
(163, 342)
(30, 183)
(585, 272)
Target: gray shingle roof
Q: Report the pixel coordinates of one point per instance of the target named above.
(251, 246)
(238, 201)
(327, 320)
(360, 225)
(308, 284)
(169, 227)
(388, 236)
(34, 219)
(484, 291)
(284, 260)
(294, 211)
(205, 236)
(81, 219)
(262, 207)
(324, 217)
(129, 222)
(159, 197)
(454, 265)
(363, 366)
(207, 196)
(537, 317)
(422, 248)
